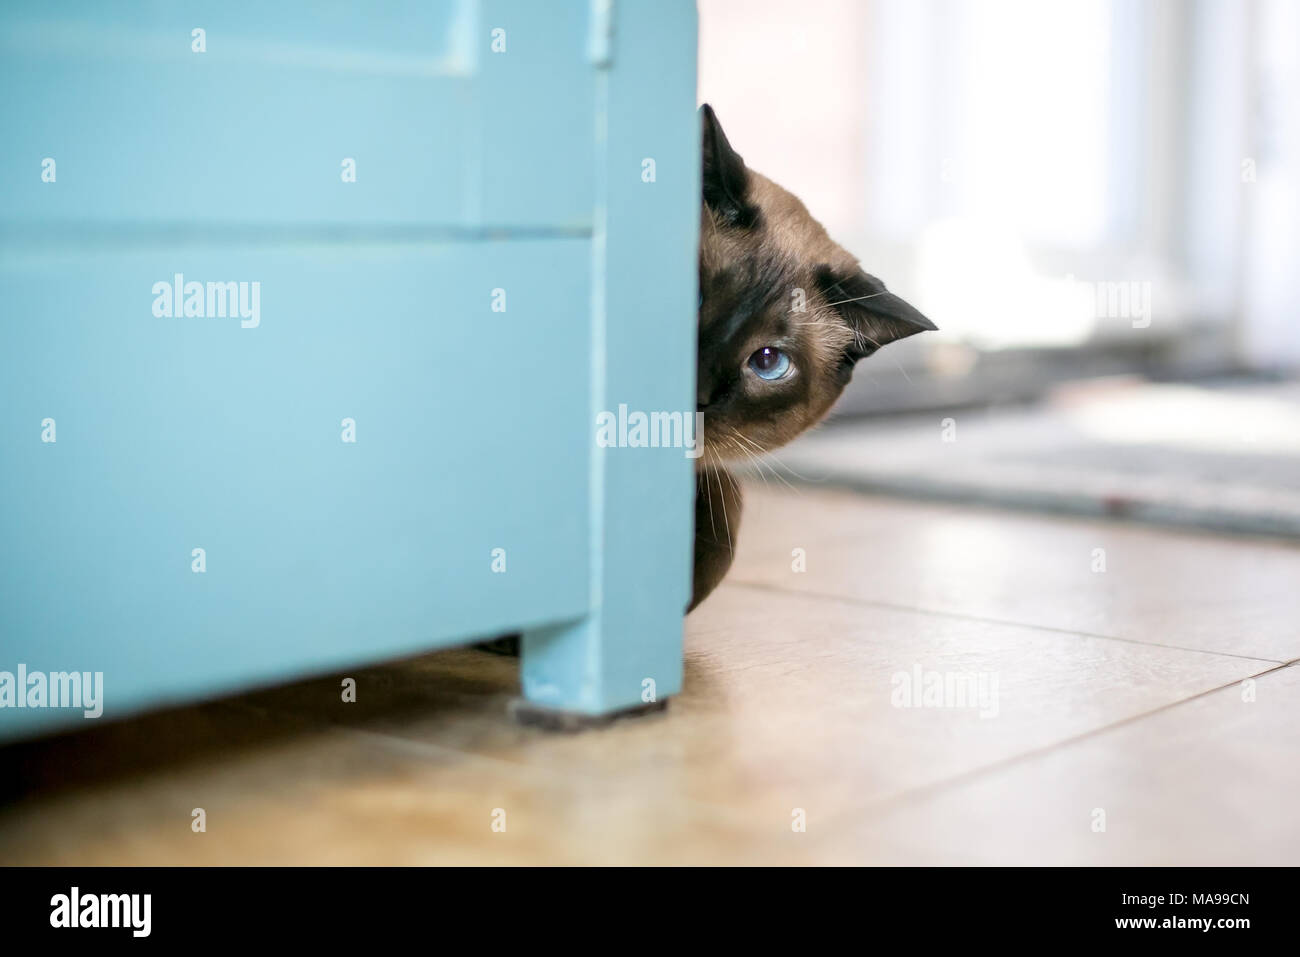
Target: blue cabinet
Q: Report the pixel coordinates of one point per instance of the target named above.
(307, 316)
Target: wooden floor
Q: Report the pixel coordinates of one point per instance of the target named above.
(1118, 723)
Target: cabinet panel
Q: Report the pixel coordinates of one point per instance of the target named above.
(443, 131)
(175, 432)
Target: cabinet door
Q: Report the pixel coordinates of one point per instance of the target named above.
(459, 114)
(172, 433)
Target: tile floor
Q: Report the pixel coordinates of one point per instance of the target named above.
(1159, 697)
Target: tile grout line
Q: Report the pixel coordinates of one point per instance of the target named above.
(927, 791)
(841, 483)
(429, 749)
(962, 616)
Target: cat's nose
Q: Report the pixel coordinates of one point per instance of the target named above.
(705, 394)
(712, 385)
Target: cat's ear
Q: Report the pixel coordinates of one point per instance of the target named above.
(725, 180)
(876, 316)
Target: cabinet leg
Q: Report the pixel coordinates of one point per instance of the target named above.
(581, 674)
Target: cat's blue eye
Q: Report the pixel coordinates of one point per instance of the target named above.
(769, 363)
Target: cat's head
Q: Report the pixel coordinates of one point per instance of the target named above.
(785, 313)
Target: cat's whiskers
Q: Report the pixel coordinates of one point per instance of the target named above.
(858, 299)
(754, 461)
(713, 528)
(715, 468)
(858, 333)
(767, 457)
(722, 500)
(772, 459)
(891, 355)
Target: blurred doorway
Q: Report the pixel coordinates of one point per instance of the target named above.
(1071, 189)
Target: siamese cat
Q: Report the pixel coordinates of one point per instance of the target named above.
(785, 315)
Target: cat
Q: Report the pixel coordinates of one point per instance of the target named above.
(785, 314)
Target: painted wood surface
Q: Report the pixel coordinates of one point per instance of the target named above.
(375, 413)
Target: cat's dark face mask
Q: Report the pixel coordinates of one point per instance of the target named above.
(785, 313)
